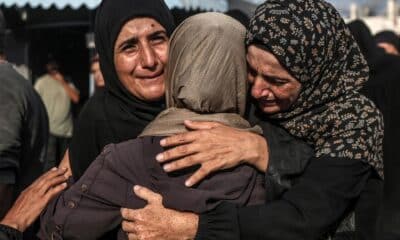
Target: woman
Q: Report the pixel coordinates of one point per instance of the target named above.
(383, 89)
(214, 90)
(305, 70)
(132, 40)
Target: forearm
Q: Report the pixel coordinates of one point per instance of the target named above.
(72, 93)
(306, 211)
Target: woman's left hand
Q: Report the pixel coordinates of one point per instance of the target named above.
(157, 222)
(215, 147)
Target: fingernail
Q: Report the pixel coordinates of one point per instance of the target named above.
(64, 184)
(53, 169)
(163, 142)
(167, 167)
(188, 183)
(188, 121)
(160, 157)
(136, 188)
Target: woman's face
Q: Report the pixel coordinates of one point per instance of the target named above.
(140, 56)
(271, 85)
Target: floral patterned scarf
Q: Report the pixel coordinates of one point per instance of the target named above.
(310, 39)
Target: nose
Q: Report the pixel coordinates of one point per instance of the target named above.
(260, 88)
(148, 57)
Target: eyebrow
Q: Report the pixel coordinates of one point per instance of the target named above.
(135, 40)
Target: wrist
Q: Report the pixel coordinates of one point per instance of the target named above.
(191, 222)
(13, 224)
(261, 153)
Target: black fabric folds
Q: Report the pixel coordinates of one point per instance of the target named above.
(114, 115)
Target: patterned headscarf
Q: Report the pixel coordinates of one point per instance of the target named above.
(310, 39)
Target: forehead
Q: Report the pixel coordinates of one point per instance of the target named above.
(261, 60)
(140, 27)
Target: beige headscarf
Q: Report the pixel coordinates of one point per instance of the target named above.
(206, 75)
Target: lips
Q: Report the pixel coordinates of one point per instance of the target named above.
(151, 76)
(266, 102)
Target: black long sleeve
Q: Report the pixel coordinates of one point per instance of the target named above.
(311, 208)
(8, 233)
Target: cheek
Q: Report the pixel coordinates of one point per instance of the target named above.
(124, 63)
(162, 53)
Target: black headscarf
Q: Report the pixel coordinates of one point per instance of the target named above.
(388, 37)
(114, 115)
(110, 17)
(313, 43)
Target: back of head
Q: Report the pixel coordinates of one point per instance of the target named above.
(389, 37)
(52, 67)
(206, 72)
(2, 32)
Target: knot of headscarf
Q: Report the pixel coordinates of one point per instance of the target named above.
(206, 75)
(310, 39)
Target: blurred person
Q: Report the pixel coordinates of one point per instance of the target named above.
(222, 98)
(57, 95)
(96, 72)
(23, 133)
(388, 41)
(30, 204)
(383, 88)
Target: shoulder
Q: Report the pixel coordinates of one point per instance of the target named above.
(357, 111)
(94, 108)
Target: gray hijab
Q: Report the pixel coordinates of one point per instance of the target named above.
(206, 75)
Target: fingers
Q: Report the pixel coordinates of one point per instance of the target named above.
(178, 139)
(178, 152)
(128, 226)
(50, 194)
(45, 178)
(53, 182)
(194, 125)
(147, 195)
(205, 170)
(199, 175)
(186, 162)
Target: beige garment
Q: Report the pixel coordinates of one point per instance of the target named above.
(206, 75)
(58, 105)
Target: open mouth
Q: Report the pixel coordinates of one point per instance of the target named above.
(266, 102)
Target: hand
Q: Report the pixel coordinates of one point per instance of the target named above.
(65, 163)
(215, 147)
(157, 222)
(59, 77)
(34, 199)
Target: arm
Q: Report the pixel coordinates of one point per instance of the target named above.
(34, 199)
(215, 147)
(308, 210)
(72, 92)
